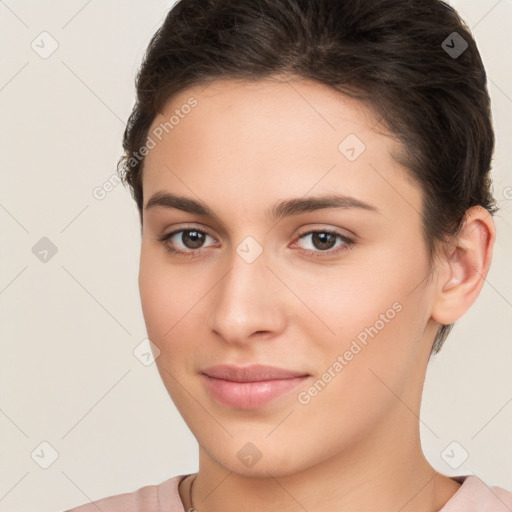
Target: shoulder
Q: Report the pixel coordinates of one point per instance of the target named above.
(163, 497)
(474, 495)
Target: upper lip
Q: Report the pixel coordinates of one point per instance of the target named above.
(253, 373)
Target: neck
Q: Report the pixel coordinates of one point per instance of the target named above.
(385, 474)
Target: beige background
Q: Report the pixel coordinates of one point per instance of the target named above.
(68, 375)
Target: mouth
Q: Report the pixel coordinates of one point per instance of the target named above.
(249, 387)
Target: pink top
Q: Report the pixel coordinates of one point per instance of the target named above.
(473, 496)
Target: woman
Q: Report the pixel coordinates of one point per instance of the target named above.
(312, 179)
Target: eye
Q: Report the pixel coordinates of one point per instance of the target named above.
(323, 241)
(191, 239)
(189, 242)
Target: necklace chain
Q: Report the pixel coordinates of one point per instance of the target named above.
(192, 508)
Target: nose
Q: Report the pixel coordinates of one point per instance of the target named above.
(248, 303)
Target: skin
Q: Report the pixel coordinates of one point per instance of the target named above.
(356, 445)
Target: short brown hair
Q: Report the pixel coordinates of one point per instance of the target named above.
(392, 54)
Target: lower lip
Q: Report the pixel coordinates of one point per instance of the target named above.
(249, 395)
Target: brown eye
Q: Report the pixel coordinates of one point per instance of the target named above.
(185, 241)
(323, 241)
(192, 239)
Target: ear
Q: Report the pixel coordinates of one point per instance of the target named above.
(464, 267)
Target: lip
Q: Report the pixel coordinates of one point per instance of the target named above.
(252, 373)
(249, 387)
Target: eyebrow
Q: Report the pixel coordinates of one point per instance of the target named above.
(280, 210)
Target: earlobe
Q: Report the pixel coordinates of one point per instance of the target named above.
(465, 267)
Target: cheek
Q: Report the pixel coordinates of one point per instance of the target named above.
(164, 297)
(155, 300)
(375, 312)
(172, 299)
(362, 370)
(167, 300)
(351, 298)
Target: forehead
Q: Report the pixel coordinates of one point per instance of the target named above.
(237, 102)
(250, 138)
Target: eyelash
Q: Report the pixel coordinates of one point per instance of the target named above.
(347, 243)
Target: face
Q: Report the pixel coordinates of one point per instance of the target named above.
(271, 269)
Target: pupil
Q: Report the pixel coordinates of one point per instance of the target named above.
(320, 240)
(195, 238)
